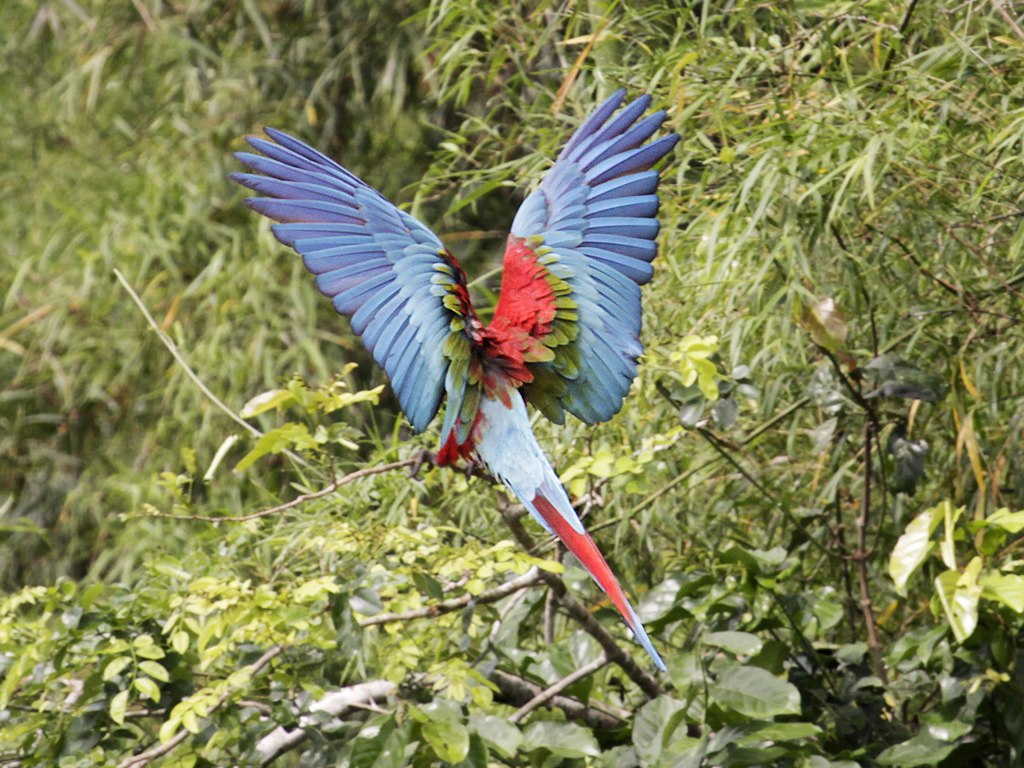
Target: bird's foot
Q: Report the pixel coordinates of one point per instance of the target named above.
(421, 458)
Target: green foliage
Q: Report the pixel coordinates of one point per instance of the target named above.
(812, 489)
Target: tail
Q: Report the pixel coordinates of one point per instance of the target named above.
(551, 506)
(508, 448)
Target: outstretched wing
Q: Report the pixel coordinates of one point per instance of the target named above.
(581, 247)
(406, 295)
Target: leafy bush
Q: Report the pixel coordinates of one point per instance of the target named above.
(812, 489)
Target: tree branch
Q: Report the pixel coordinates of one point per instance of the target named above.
(861, 557)
(518, 691)
(168, 342)
(299, 500)
(551, 691)
(528, 579)
(334, 704)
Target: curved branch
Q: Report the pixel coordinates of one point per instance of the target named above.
(518, 691)
(551, 691)
(299, 500)
(168, 342)
(528, 579)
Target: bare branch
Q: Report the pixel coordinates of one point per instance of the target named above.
(528, 579)
(551, 691)
(298, 500)
(517, 691)
(861, 555)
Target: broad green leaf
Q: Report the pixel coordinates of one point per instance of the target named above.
(913, 547)
(753, 692)
(154, 669)
(560, 739)
(378, 745)
(1006, 588)
(736, 643)
(786, 731)
(959, 593)
(428, 585)
(147, 688)
(366, 602)
(444, 730)
(180, 641)
(118, 706)
(947, 546)
(285, 437)
(754, 733)
(168, 729)
(497, 732)
(448, 738)
(656, 725)
(920, 750)
(1011, 522)
(114, 667)
(817, 761)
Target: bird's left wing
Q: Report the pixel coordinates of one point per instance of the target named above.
(405, 293)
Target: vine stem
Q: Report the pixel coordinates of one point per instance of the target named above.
(861, 557)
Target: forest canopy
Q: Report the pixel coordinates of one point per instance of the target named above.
(218, 543)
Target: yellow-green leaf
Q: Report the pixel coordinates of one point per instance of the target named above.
(147, 688)
(266, 401)
(1006, 588)
(114, 668)
(155, 669)
(959, 593)
(912, 548)
(180, 641)
(118, 706)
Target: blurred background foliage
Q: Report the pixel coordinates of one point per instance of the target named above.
(813, 490)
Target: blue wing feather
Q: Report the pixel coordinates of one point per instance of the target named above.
(595, 210)
(380, 266)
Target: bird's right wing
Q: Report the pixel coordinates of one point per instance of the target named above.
(405, 293)
(581, 247)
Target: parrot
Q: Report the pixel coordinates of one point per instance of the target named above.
(565, 333)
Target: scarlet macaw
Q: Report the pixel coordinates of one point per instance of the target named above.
(564, 335)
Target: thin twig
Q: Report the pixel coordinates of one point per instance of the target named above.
(552, 690)
(516, 690)
(512, 586)
(168, 342)
(298, 500)
(144, 758)
(902, 33)
(1008, 19)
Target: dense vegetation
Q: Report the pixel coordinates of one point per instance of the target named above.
(213, 551)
